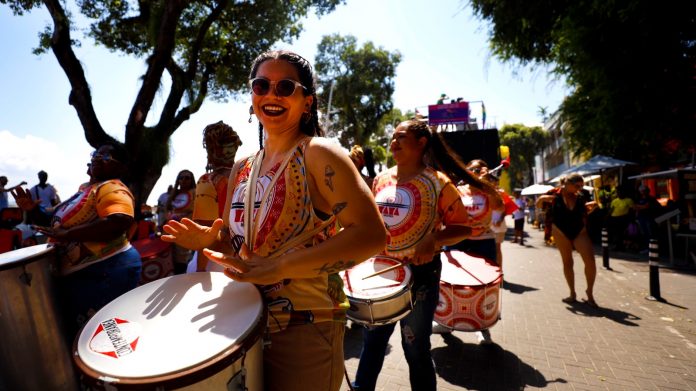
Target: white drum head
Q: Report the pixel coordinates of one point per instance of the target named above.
(459, 268)
(9, 258)
(377, 287)
(169, 325)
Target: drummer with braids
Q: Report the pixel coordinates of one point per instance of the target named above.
(221, 143)
(423, 212)
(286, 202)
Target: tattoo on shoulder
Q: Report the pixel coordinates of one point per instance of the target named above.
(328, 176)
(339, 207)
(336, 266)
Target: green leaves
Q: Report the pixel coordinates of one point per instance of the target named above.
(631, 65)
(363, 80)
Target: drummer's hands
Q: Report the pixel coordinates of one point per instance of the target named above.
(247, 266)
(23, 199)
(191, 235)
(425, 250)
(59, 234)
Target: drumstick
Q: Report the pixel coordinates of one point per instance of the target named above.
(390, 267)
(384, 270)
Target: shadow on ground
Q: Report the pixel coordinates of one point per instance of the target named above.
(622, 317)
(485, 367)
(517, 288)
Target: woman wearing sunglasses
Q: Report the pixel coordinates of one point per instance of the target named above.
(90, 231)
(287, 202)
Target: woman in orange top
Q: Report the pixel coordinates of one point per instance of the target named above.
(90, 231)
(423, 212)
(284, 203)
(221, 143)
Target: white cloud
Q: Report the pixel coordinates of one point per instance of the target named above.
(22, 157)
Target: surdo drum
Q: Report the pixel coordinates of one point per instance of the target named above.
(199, 331)
(34, 354)
(378, 300)
(469, 292)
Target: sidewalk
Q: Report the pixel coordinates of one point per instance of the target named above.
(630, 343)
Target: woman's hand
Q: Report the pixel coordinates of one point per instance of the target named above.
(191, 235)
(247, 267)
(23, 199)
(425, 250)
(57, 233)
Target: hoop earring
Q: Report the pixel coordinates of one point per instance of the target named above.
(251, 111)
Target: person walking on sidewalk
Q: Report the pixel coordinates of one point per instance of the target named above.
(518, 216)
(569, 209)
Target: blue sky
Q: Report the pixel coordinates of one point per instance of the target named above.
(444, 50)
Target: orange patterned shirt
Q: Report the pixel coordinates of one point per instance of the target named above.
(426, 203)
(90, 203)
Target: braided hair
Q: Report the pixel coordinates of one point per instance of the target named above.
(309, 124)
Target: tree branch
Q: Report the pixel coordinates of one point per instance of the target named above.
(160, 58)
(80, 97)
(184, 114)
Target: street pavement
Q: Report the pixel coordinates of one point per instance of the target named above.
(629, 343)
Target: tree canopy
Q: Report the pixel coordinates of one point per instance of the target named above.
(524, 144)
(363, 84)
(205, 48)
(631, 65)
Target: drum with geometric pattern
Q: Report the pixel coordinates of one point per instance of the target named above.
(470, 292)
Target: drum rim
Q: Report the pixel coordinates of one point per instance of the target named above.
(377, 299)
(33, 257)
(183, 377)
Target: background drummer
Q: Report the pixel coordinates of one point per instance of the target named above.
(221, 143)
(309, 184)
(423, 212)
(479, 205)
(90, 232)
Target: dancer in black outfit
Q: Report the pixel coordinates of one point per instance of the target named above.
(569, 209)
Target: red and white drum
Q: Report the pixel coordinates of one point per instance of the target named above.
(199, 331)
(157, 259)
(381, 299)
(470, 292)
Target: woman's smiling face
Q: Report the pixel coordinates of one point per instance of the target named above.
(278, 113)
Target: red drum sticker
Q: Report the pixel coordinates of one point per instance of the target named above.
(115, 337)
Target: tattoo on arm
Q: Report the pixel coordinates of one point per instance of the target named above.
(328, 176)
(335, 267)
(339, 207)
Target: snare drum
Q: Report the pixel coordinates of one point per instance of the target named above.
(199, 331)
(33, 352)
(381, 299)
(469, 292)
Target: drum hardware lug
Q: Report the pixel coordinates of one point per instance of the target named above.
(238, 381)
(25, 277)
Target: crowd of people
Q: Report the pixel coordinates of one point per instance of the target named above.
(287, 219)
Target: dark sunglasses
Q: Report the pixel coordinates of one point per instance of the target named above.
(105, 157)
(284, 88)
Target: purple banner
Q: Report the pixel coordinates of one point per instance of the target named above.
(449, 113)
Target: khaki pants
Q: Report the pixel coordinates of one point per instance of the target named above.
(305, 357)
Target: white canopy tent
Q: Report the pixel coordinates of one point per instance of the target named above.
(594, 165)
(536, 189)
